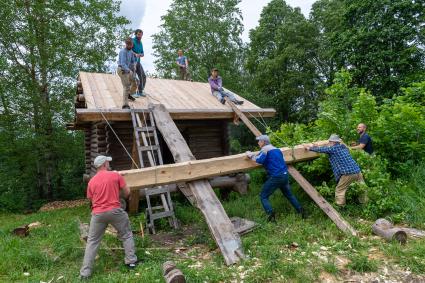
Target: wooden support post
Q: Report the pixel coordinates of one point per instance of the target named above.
(218, 222)
(244, 119)
(321, 202)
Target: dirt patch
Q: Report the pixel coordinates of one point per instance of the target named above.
(175, 238)
(64, 204)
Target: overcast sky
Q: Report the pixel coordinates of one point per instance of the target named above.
(146, 14)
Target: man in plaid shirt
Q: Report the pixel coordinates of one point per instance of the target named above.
(345, 169)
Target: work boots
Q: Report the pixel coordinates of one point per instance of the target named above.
(271, 217)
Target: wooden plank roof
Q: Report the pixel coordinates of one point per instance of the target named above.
(183, 99)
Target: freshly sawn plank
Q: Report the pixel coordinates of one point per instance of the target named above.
(190, 169)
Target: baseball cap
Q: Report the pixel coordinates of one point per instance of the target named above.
(100, 160)
(264, 138)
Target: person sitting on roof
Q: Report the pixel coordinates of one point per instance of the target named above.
(217, 89)
(126, 66)
(183, 64)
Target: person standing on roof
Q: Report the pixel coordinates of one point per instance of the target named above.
(273, 161)
(345, 169)
(138, 51)
(103, 191)
(126, 66)
(365, 141)
(183, 64)
(218, 91)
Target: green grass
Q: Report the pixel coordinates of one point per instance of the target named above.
(55, 250)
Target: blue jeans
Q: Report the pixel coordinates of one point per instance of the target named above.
(221, 94)
(273, 183)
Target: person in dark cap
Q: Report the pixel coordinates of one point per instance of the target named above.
(345, 169)
(216, 84)
(273, 161)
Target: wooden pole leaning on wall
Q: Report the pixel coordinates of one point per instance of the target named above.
(203, 195)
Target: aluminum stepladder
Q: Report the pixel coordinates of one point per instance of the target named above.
(149, 153)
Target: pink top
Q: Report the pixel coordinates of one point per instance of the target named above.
(104, 191)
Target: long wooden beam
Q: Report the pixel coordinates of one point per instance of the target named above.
(201, 191)
(244, 119)
(90, 115)
(321, 202)
(206, 168)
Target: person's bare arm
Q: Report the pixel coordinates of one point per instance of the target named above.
(126, 191)
(359, 146)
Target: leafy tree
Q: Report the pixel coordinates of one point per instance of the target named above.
(344, 107)
(43, 45)
(209, 33)
(327, 16)
(382, 43)
(281, 60)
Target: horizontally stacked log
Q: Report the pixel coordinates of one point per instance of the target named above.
(80, 100)
(97, 142)
(120, 158)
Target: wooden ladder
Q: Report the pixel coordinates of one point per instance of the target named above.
(149, 154)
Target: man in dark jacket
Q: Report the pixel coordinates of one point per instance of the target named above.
(365, 141)
(274, 163)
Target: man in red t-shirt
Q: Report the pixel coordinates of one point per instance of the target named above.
(103, 191)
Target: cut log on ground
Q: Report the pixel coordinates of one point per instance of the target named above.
(22, 231)
(218, 222)
(190, 170)
(172, 274)
(385, 229)
(321, 202)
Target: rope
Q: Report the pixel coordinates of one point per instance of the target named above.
(119, 140)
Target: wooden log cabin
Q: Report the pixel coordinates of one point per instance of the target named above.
(200, 117)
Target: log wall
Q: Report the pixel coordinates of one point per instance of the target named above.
(205, 138)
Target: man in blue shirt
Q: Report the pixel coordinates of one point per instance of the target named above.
(217, 89)
(365, 141)
(183, 64)
(138, 52)
(126, 66)
(345, 169)
(274, 163)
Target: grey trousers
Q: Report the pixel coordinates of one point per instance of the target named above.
(98, 223)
